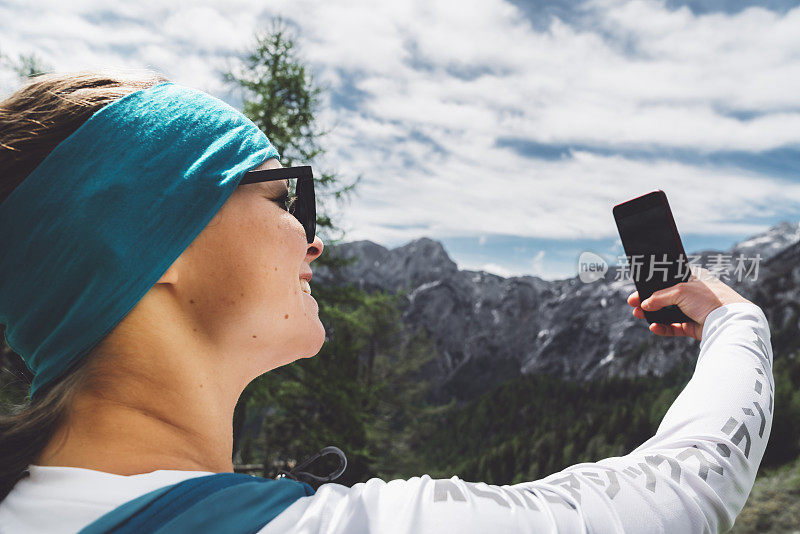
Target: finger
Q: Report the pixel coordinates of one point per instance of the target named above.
(658, 329)
(664, 329)
(679, 329)
(638, 312)
(694, 330)
(661, 298)
(674, 329)
(633, 299)
(687, 330)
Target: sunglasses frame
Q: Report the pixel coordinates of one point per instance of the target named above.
(304, 207)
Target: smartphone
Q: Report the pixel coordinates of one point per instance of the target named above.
(653, 247)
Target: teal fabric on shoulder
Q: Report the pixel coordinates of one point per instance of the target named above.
(223, 502)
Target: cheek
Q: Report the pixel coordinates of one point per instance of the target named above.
(229, 256)
(254, 267)
(249, 260)
(259, 266)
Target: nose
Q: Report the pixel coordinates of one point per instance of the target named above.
(314, 249)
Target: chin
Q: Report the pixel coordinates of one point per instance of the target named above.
(310, 341)
(318, 338)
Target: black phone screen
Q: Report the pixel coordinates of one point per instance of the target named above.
(656, 259)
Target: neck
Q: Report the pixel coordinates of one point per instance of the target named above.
(162, 398)
(144, 424)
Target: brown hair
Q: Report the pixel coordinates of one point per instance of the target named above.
(33, 120)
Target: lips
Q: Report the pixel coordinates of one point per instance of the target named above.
(305, 278)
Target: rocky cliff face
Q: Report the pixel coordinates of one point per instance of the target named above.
(488, 329)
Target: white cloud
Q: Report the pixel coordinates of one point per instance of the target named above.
(630, 75)
(538, 262)
(535, 267)
(499, 270)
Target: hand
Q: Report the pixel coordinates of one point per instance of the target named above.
(697, 297)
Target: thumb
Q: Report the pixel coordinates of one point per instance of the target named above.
(661, 298)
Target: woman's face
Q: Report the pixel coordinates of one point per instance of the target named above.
(239, 281)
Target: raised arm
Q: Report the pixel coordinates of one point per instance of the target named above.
(696, 473)
(693, 475)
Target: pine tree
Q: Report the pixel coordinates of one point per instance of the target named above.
(360, 390)
(25, 66)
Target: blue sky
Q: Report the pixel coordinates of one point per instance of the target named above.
(505, 129)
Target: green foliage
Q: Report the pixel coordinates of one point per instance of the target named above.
(536, 425)
(533, 426)
(25, 66)
(774, 502)
(784, 439)
(363, 392)
(282, 100)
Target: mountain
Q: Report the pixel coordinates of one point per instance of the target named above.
(488, 329)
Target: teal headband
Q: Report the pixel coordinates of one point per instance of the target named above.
(87, 234)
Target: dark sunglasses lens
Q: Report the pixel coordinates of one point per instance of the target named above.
(305, 207)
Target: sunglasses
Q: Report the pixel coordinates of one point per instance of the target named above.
(304, 206)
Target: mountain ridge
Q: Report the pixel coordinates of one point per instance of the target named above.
(488, 328)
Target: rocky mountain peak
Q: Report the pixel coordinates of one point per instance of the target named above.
(488, 329)
(770, 242)
(418, 262)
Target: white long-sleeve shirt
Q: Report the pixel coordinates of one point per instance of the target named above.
(694, 475)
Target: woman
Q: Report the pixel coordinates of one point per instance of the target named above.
(211, 293)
